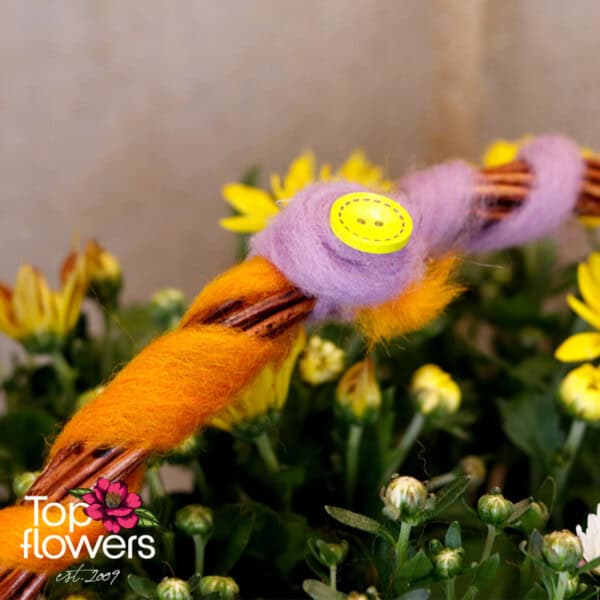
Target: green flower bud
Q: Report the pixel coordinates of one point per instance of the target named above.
(435, 547)
(23, 481)
(534, 517)
(562, 550)
(448, 562)
(171, 588)
(331, 555)
(494, 508)
(219, 588)
(167, 307)
(404, 498)
(194, 520)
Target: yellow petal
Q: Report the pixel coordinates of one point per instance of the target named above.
(70, 299)
(594, 263)
(584, 311)
(7, 325)
(579, 347)
(243, 224)
(300, 174)
(249, 200)
(32, 301)
(589, 286)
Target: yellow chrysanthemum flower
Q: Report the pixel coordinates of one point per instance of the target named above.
(263, 397)
(322, 361)
(257, 206)
(37, 316)
(585, 346)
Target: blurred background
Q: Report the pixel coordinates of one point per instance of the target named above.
(121, 120)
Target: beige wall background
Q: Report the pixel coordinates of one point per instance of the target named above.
(120, 119)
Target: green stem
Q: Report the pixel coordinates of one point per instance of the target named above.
(402, 544)
(199, 544)
(441, 480)
(451, 589)
(398, 455)
(489, 542)
(561, 588)
(154, 481)
(352, 452)
(66, 377)
(169, 547)
(333, 577)
(266, 452)
(571, 448)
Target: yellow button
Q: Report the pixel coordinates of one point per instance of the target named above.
(370, 222)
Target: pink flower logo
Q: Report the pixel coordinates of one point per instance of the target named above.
(111, 503)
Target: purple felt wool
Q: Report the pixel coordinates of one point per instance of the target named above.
(300, 243)
(441, 197)
(558, 167)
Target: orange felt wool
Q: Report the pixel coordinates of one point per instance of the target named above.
(422, 302)
(169, 390)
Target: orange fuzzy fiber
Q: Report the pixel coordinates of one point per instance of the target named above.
(183, 378)
(169, 390)
(422, 302)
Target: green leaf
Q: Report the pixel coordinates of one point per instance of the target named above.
(319, 591)
(239, 538)
(537, 592)
(547, 493)
(532, 423)
(449, 495)
(24, 433)
(79, 492)
(143, 587)
(486, 571)
(146, 518)
(416, 567)
(453, 538)
(355, 520)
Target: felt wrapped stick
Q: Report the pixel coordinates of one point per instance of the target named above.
(337, 250)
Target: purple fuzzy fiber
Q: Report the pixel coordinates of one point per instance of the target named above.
(558, 167)
(300, 243)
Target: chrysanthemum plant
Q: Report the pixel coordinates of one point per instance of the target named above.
(456, 462)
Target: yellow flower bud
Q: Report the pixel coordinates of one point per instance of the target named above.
(358, 393)
(321, 361)
(434, 391)
(580, 393)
